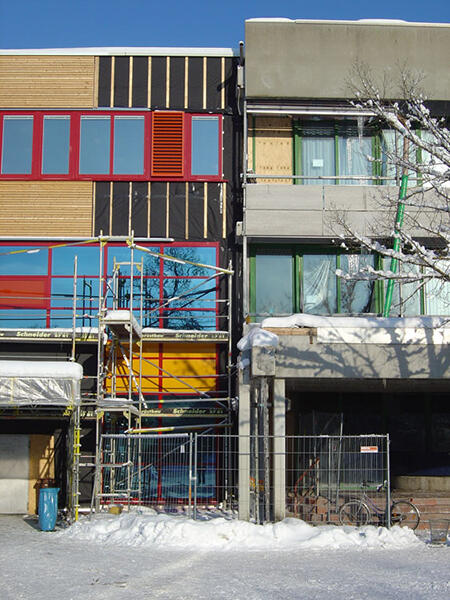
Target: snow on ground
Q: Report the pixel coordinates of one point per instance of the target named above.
(148, 556)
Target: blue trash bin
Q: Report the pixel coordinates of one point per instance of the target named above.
(48, 508)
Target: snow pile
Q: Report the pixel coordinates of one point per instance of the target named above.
(257, 337)
(168, 531)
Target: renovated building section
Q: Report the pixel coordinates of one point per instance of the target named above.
(119, 186)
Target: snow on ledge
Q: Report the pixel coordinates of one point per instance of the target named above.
(303, 320)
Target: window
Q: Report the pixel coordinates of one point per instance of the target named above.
(37, 285)
(95, 145)
(56, 145)
(205, 146)
(17, 142)
(287, 280)
(338, 149)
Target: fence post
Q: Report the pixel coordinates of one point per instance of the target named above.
(190, 476)
(279, 448)
(388, 491)
(195, 475)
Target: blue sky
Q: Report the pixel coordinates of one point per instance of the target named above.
(72, 23)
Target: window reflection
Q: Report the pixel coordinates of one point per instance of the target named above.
(273, 284)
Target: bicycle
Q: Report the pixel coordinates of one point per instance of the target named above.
(359, 511)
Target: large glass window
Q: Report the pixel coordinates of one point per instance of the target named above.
(128, 145)
(205, 146)
(339, 149)
(17, 144)
(178, 294)
(273, 284)
(294, 279)
(94, 145)
(56, 144)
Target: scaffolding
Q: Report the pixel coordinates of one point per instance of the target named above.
(121, 337)
(122, 305)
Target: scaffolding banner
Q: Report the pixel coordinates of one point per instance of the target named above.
(43, 383)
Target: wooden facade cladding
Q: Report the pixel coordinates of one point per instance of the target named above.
(48, 81)
(270, 147)
(46, 208)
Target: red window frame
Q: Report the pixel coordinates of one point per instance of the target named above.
(46, 303)
(74, 149)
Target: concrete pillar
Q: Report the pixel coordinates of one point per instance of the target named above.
(279, 448)
(244, 446)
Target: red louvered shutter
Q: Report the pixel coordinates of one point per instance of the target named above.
(167, 144)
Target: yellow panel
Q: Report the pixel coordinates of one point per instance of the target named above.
(46, 208)
(273, 148)
(189, 349)
(47, 81)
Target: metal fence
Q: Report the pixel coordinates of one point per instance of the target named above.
(256, 478)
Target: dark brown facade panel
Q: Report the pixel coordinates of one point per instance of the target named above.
(230, 83)
(177, 211)
(176, 90)
(158, 82)
(121, 81)
(120, 208)
(104, 81)
(195, 83)
(196, 211)
(214, 213)
(140, 81)
(214, 83)
(102, 197)
(139, 208)
(158, 209)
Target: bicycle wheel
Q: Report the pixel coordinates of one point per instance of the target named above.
(354, 512)
(405, 514)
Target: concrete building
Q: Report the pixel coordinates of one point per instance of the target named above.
(306, 162)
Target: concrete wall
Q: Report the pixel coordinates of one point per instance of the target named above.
(311, 211)
(322, 54)
(299, 356)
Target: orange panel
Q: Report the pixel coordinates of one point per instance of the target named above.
(23, 293)
(167, 144)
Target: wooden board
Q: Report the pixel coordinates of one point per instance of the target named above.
(46, 208)
(271, 142)
(42, 466)
(47, 81)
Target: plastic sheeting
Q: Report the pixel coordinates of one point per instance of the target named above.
(43, 383)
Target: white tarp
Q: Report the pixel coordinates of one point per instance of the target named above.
(39, 383)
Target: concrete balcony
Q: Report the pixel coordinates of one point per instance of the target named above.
(314, 211)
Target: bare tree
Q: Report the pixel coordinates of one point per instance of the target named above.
(412, 229)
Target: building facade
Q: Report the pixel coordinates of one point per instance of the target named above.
(119, 186)
(311, 157)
